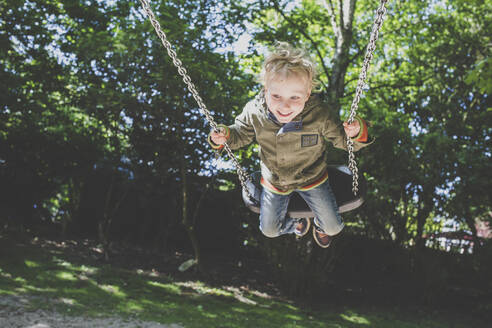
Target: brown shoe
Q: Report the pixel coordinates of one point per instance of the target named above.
(322, 239)
(302, 227)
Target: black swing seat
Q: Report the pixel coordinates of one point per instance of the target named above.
(340, 179)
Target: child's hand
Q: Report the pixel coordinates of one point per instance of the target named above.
(352, 130)
(218, 138)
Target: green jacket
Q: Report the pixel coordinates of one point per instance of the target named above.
(292, 155)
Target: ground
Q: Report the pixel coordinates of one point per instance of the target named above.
(45, 283)
(16, 312)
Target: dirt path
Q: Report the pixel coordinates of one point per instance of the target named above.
(15, 312)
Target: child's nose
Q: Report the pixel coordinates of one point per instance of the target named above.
(285, 104)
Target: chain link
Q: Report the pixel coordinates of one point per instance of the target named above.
(242, 174)
(360, 86)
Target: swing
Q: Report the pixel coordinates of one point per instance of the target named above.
(339, 177)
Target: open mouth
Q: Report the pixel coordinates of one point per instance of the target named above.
(284, 115)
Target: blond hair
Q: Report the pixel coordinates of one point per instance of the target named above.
(287, 60)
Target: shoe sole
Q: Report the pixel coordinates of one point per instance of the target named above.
(317, 241)
(306, 231)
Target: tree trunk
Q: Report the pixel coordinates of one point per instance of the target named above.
(185, 219)
(70, 215)
(342, 27)
(102, 223)
(103, 228)
(422, 216)
(189, 226)
(470, 221)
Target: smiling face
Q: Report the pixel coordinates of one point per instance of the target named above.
(286, 95)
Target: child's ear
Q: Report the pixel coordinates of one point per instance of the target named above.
(308, 94)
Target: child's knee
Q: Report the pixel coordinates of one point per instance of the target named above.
(331, 228)
(270, 231)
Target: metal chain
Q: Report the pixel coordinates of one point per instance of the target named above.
(242, 174)
(360, 86)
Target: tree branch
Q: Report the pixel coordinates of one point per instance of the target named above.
(391, 86)
(331, 12)
(358, 54)
(340, 13)
(348, 14)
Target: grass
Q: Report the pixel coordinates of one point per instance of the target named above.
(55, 279)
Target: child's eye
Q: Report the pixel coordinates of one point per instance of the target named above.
(295, 98)
(276, 96)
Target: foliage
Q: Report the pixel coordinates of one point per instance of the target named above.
(98, 130)
(92, 93)
(431, 159)
(427, 113)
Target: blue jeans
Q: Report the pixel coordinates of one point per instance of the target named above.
(321, 200)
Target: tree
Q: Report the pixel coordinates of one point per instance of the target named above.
(417, 94)
(111, 72)
(38, 120)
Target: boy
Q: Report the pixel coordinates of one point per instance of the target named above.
(289, 124)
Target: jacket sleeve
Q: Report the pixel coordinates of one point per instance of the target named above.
(239, 134)
(242, 132)
(333, 132)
